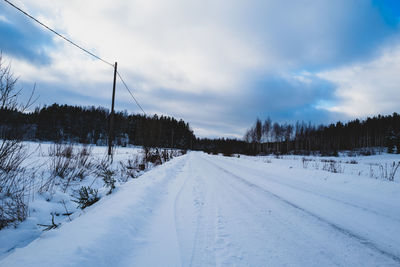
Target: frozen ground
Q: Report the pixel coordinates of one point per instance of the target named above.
(204, 210)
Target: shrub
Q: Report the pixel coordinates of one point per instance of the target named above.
(165, 155)
(61, 160)
(393, 169)
(387, 171)
(83, 162)
(87, 196)
(105, 172)
(13, 209)
(109, 180)
(305, 162)
(367, 152)
(130, 168)
(13, 182)
(68, 164)
(332, 166)
(154, 157)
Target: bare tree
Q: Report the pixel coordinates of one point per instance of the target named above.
(258, 131)
(277, 133)
(248, 136)
(8, 92)
(13, 179)
(267, 128)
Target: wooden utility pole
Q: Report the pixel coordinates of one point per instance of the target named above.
(111, 123)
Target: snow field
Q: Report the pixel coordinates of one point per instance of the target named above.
(41, 205)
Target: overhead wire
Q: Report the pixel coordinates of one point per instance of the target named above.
(78, 46)
(55, 32)
(123, 82)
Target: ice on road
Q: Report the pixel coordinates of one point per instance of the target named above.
(204, 210)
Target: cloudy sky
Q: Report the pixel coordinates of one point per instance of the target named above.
(217, 64)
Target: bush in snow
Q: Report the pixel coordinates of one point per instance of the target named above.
(14, 184)
(305, 162)
(68, 164)
(86, 196)
(393, 169)
(165, 155)
(105, 172)
(332, 166)
(130, 169)
(109, 181)
(152, 156)
(13, 208)
(386, 171)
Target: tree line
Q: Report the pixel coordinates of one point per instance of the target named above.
(64, 123)
(304, 138)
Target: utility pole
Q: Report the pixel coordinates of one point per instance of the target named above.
(111, 123)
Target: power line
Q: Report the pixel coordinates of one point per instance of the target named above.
(60, 35)
(78, 46)
(137, 103)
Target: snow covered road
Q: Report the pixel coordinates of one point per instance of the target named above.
(203, 210)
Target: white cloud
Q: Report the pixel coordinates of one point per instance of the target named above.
(367, 88)
(197, 45)
(160, 42)
(4, 19)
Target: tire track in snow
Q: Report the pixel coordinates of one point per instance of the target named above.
(336, 227)
(228, 252)
(280, 182)
(224, 251)
(194, 215)
(258, 230)
(203, 253)
(176, 201)
(209, 243)
(191, 183)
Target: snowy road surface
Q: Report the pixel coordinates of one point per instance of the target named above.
(203, 210)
